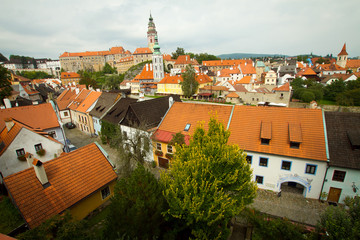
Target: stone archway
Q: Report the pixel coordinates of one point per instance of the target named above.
(294, 183)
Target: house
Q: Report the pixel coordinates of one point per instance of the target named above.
(332, 78)
(183, 60)
(75, 103)
(142, 54)
(41, 117)
(62, 103)
(285, 146)
(144, 82)
(104, 103)
(16, 139)
(81, 113)
(217, 65)
(353, 65)
(172, 84)
(27, 91)
(330, 69)
(343, 173)
(79, 181)
(270, 78)
(124, 64)
(68, 78)
(116, 112)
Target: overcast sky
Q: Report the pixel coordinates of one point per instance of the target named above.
(47, 28)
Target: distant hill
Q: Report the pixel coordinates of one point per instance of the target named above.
(247, 55)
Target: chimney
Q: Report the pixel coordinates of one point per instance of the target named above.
(147, 67)
(77, 90)
(29, 158)
(150, 67)
(171, 101)
(9, 123)
(40, 171)
(7, 103)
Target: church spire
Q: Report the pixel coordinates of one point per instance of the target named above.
(151, 33)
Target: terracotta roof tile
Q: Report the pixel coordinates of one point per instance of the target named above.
(245, 80)
(283, 88)
(113, 50)
(146, 73)
(65, 99)
(185, 59)
(79, 99)
(67, 75)
(306, 72)
(181, 114)
(71, 180)
(235, 62)
(40, 116)
(88, 102)
(245, 131)
(343, 50)
(232, 95)
(145, 50)
(166, 137)
(171, 79)
(353, 63)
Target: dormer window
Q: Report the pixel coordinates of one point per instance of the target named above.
(354, 138)
(187, 127)
(265, 133)
(295, 135)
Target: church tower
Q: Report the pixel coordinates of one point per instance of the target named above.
(157, 61)
(151, 33)
(342, 57)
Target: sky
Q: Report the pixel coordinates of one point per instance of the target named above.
(48, 28)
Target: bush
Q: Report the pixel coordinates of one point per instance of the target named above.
(307, 96)
(41, 152)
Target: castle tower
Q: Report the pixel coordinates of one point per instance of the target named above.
(151, 33)
(342, 57)
(157, 60)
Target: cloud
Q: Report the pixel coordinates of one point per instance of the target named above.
(41, 28)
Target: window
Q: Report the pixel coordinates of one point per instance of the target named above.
(187, 127)
(169, 148)
(20, 152)
(249, 159)
(310, 169)
(259, 179)
(105, 192)
(294, 145)
(265, 141)
(339, 176)
(263, 162)
(286, 165)
(52, 134)
(163, 162)
(158, 146)
(38, 147)
(66, 114)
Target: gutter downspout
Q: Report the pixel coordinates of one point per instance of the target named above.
(230, 118)
(327, 152)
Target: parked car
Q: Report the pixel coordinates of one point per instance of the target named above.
(69, 125)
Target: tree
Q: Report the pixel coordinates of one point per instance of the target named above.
(87, 79)
(3, 58)
(5, 84)
(135, 209)
(341, 223)
(209, 182)
(177, 138)
(189, 85)
(205, 57)
(333, 89)
(179, 51)
(112, 82)
(107, 69)
(133, 147)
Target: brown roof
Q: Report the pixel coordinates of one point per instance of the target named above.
(65, 98)
(353, 63)
(283, 88)
(342, 127)
(343, 50)
(106, 101)
(40, 116)
(71, 180)
(69, 75)
(246, 125)
(232, 95)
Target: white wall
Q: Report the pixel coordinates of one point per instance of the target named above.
(351, 176)
(97, 125)
(274, 175)
(26, 139)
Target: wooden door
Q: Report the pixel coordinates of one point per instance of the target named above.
(334, 194)
(163, 162)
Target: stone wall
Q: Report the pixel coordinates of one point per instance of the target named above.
(329, 108)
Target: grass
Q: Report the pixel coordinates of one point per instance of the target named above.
(327, 102)
(10, 217)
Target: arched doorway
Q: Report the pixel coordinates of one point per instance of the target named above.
(292, 187)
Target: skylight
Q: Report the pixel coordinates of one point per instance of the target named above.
(187, 127)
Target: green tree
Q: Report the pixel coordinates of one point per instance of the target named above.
(177, 138)
(87, 79)
(135, 209)
(333, 89)
(112, 82)
(205, 57)
(107, 69)
(179, 51)
(189, 85)
(209, 182)
(3, 58)
(62, 227)
(5, 84)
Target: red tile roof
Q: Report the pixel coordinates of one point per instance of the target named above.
(202, 78)
(215, 88)
(126, 59)
(71, 179)
(330, 67)
(245, 130)
(171, 79)
(166, 137)
(88, 102)
(353, 63)
(343, 50)
(306, 72)
(65, 99)
(40, 116)
(245, 80)
(247, 68)
(283, 88)
(185, 59)
(146, 74)
(227, 72)
(113, 50)
(28, 88)
(232, 95)
(167, 57)
(67, 75)
(145, 50)
(235, 62)
(79, 99)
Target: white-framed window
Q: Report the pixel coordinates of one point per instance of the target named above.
(169, 149)
(20, 152)
(158, 146)
(105, 192)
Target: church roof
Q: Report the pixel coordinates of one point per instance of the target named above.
(343, 50)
